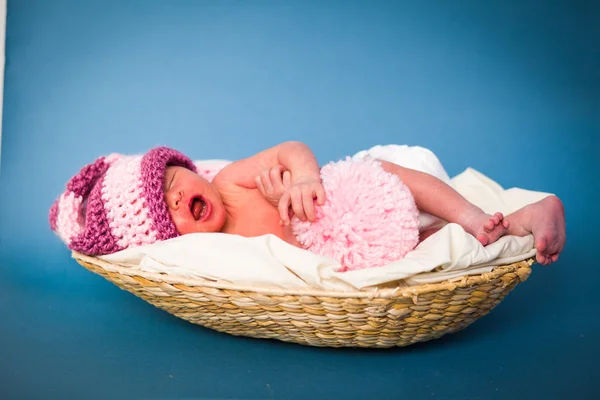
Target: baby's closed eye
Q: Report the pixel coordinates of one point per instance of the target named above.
(170, 173)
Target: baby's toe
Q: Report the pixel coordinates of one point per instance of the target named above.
(499, 217)
(541, 245)
(483, 239)
(541, 258)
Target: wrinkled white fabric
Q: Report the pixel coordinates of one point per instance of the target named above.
(269, 261)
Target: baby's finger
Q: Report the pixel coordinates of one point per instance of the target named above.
(309, 205)
(275, 178)
(287, 179)
(260, 186)
(320, 192)
(284, 206)
(266, 180)
(278, 169)
(297, 205)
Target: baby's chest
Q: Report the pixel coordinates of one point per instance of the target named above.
(251, 214)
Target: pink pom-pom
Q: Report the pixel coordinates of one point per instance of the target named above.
(369, 218)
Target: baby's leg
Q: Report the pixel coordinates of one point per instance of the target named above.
(437, 198)
(546, 221)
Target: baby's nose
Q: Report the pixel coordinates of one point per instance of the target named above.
(174, 198)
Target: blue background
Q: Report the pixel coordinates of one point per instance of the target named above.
(511, 89)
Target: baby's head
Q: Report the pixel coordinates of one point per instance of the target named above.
(120, 201)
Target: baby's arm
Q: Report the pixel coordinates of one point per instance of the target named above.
(304, 170)
(294, 156)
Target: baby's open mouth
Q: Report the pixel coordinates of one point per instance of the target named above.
(199, 208)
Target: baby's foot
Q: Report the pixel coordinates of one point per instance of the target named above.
(546, 221)
(486, 228)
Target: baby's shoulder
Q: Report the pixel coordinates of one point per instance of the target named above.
(238, 174)
(226, 175)
(221, 181)
(227, 182)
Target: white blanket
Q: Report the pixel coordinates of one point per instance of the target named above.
(269, 261)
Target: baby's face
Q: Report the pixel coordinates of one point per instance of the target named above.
(194, 203)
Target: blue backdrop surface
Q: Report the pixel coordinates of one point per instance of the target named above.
(511, 89)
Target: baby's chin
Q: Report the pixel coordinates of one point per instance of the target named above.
(218, 218)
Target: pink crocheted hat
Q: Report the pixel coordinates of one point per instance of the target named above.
(117, 202)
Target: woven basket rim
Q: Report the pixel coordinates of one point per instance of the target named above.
(410, 291)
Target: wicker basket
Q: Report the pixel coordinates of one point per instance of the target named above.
(386, 318)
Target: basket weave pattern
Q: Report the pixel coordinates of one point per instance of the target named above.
(381, 319)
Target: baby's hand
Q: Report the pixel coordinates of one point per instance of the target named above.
(301, 195)
(273, 182)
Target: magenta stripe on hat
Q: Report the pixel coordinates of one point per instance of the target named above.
(82, 183)
(53, 215)
(153, 167)
(97, 238)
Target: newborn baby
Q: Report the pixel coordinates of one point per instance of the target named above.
(257, 195)
(125, 201)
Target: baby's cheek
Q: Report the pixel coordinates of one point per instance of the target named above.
(179, 222)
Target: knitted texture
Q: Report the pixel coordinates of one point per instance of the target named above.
(117, 202)
(369, 218)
